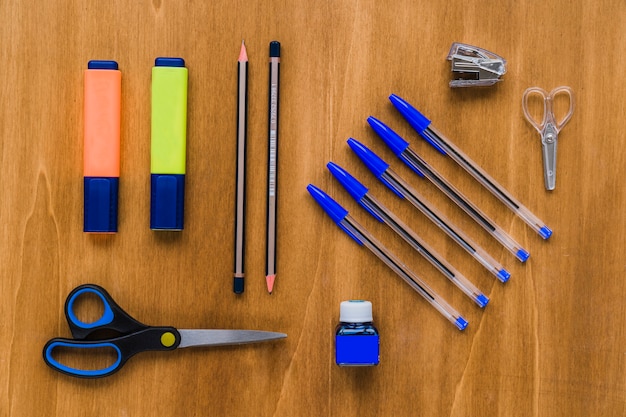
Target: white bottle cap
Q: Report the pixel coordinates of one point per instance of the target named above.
(355, 311)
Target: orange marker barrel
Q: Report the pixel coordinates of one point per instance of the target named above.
(103, 88)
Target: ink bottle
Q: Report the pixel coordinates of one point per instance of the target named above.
(356, 338)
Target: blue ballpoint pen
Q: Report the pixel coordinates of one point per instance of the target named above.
(362, 195)
(402, 150)
(340, 216)
(422, 125)
(402, 189)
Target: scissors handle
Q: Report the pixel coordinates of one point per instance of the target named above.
(548, 116)
(113, 318)
(124, 347)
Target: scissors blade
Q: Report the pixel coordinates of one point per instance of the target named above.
(212, 337)
(549, 140)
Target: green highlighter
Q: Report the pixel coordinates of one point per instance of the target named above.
(168, 148)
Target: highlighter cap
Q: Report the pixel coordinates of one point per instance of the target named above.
(168, 144)
(167, 202)
(100, 204)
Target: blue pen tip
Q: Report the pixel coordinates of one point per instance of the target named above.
(461, 323)
(522, 255)
(482, 300)
(391, 138)
(503, 275)
(545, 232)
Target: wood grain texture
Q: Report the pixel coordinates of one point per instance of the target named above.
(551, 342)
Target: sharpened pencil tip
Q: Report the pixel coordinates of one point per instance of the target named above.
(243, 54)
(269, 280)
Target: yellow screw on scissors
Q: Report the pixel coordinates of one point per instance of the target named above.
(549, 127)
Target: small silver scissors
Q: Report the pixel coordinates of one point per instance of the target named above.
(549, 127)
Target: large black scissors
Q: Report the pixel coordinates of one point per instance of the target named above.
(132, 336)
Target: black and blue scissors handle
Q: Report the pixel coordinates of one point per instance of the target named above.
(134, 337)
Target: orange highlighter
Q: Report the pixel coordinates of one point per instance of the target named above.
(103, 87)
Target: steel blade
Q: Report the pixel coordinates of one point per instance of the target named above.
(212, 337)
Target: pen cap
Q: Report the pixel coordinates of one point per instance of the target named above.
(333, 209)
(354, 187)
(355, 311)
(168, 143)
(374, 163)
(330, 206)
(101, 162)
(391, 138)
(416, 119)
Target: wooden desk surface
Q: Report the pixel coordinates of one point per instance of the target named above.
(551, 342)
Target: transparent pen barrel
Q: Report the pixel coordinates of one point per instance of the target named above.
(404, 272)
(488, 182)
(446, 225)
(463, 202)
(426, 251)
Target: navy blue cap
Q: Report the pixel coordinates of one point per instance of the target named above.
(100, 64)
(100, 204)
(354, 187)
(167, 201)
(169, 62)
(391, 138)
(417, 120)
(374, 163)
(332, 208)
(274, 49)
